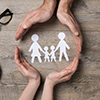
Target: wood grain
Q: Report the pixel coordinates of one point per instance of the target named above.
(85, 84)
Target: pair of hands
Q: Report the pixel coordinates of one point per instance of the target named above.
(45, 12)
(53, 78)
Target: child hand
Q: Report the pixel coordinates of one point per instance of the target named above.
(25, 68)
(63, 75)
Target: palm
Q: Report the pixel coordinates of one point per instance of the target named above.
(63, 75)
(38, 15)
(25, 68)
(69, 20)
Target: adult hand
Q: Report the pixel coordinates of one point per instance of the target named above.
(32, 74)
(63, 75)
(25, 68)
(66, 17)
(39, 15)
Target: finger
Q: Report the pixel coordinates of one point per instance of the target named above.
(64, 72)
(23, 69)
(20, 70)
(72, 25)
(20, 31)
(73, 68)
(78, 43)
(17, 57)
(17, 60)
(66, 78)
(74, 63)
(29, 22)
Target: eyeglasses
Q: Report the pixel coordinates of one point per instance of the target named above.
(6, 17)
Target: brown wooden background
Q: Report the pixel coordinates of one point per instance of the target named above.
(85, 84)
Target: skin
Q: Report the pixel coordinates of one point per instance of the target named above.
(34, 77)
(39, 15)
(31, 73)
(57, 77)
(66, 17)
(44, 13)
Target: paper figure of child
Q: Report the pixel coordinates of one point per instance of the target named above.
(46, 54)
(62, 45)
(35, 47)
(53, 57)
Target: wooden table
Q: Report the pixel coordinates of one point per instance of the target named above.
(85, 84)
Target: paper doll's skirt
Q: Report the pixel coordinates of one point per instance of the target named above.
(35, 55)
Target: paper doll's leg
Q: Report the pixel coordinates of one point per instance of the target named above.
(48, 60)
(55, 59)
(60, 58)
(32, 61)
(39, 58)
(67, 59)
(45, 60)
(51, 59)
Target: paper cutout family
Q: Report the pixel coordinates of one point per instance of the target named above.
(35, 47)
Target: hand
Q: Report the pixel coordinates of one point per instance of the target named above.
(39, 15)
(25, 68)
(66, 17)
(63, 75)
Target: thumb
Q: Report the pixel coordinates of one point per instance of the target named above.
(29, 22)
(73, 28)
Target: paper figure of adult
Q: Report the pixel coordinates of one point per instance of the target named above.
(62, 45)
(35, 47)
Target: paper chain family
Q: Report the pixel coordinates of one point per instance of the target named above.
(35, 47)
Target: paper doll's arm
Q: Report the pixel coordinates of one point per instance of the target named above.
(67, 46)
(48, 54)
(57, 47)
(41, 49)
(30, 48)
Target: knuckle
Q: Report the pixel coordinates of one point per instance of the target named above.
(57, 75)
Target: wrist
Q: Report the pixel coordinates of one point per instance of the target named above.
(49, 82)
(35, 81)
(50, 5)
(65, 5)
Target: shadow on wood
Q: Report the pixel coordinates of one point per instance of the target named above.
(0, 72)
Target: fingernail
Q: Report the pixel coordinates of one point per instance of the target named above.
(76, 33)
(24, 26)
(69, 71)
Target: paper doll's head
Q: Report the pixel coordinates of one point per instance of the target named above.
(61, 35)
(46, 48)
(34, 37)
(52, 47)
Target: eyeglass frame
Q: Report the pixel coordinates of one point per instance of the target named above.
(5, 13)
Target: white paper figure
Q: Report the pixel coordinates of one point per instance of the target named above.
(53, 57)
(35, 47)
(62, 45)
(46, 54)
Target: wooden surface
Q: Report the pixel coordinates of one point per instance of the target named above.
(85, 84)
